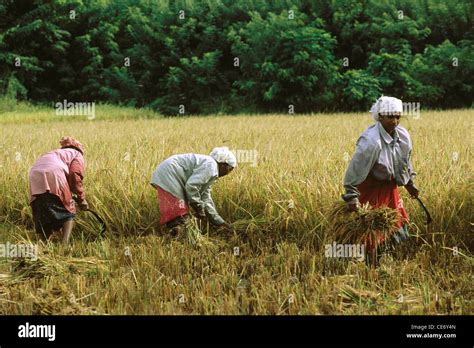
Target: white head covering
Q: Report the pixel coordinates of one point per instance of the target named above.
(385, 105)
(224, 155)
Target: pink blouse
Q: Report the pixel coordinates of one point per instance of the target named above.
(59, 172)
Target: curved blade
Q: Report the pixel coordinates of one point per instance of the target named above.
(101, 221)
(428, 215)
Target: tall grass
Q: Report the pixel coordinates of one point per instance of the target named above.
(283, 202)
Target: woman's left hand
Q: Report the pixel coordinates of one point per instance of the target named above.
(226, 227)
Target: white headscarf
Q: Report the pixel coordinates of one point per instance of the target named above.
(385, 105)
(224, 155)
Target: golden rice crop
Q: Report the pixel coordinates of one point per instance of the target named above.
(278, 209)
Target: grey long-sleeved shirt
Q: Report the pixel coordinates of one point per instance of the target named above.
(382, 156)
(189, 177)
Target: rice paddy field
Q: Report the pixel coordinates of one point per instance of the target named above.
(275, 261)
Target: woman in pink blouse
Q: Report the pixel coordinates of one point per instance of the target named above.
(54, 177)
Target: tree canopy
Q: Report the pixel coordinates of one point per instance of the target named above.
(233, 56)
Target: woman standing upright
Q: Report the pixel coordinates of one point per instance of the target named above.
(54, 177)
(381, 163)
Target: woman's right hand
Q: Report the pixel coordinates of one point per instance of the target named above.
(412, 190)
(199, 212)
(83, 205)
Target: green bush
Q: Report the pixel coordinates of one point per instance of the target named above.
(318, 55)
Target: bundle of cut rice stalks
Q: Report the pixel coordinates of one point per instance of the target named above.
(59, 300)
(250, 225)
(192, 234)
(50, 264)
(368, 226)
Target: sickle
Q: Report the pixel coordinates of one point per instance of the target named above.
(428, 215)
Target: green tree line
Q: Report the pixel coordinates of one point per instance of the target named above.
(238, 56)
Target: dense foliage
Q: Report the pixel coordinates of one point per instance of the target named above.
(238, 56)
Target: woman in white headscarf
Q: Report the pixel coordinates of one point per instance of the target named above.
(184, 181)
(381, 163)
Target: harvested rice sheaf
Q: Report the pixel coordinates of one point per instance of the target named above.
(250, 225)
(48, 264)
(366, 226)
(194, 235)
(58, 300)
